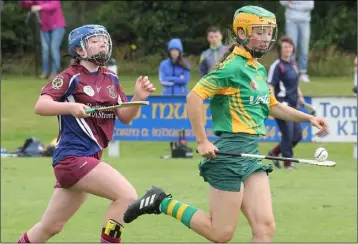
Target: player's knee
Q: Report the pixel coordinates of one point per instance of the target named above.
(223, 235)
(132, 195)
(129, 196)
(265, 228)
(52, 229)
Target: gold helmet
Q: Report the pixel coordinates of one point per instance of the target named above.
(248, 17)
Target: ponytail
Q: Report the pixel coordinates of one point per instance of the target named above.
(231, 39)
(72, 59)
(228, 52)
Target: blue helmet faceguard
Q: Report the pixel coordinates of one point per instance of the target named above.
(79, 37)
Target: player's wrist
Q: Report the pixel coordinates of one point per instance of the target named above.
(70, 106)
(136, 97)
(201, 140)
(310, 118)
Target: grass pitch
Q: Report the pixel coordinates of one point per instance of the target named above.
(311, 204)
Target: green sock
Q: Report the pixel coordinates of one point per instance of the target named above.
(178, 210)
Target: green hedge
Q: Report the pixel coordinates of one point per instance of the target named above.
(150, 24)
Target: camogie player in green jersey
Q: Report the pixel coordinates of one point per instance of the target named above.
(240, 101)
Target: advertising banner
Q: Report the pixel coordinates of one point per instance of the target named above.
(166, 116)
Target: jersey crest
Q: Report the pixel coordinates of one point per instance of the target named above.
(88, 90)
(112, 91)
(253, 85)
(57, 83)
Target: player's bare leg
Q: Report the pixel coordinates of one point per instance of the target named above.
(257, 207)
(105, 181)
(218, 226)
(63, 205)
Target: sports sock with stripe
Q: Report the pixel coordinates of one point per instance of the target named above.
(112, 232)
(178, 210)
(24, 239)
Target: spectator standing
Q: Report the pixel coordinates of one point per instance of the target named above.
(284, 83)
(298, 27)
(211, 56)
(52, 32)
(174, 72)
(355, 77)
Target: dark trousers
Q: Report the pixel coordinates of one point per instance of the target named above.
(291, 134)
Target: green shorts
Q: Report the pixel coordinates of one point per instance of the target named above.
(228, 173)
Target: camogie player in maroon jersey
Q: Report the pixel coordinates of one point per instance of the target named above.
(77, 161)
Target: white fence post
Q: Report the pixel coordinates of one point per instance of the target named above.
(113, 149)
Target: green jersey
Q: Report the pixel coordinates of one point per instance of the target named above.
(240, 99)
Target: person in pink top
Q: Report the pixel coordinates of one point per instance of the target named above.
(52, 32)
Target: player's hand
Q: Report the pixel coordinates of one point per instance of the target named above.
(207, 149)
(78, 110)
(321, 124)
(143, 87)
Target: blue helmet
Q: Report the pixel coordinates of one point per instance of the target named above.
(78, 38)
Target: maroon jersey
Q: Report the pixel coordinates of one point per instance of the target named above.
(85, 136)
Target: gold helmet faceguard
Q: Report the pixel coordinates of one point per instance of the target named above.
(248, 17)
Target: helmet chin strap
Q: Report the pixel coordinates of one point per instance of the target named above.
(98, 59)
(255, 53)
